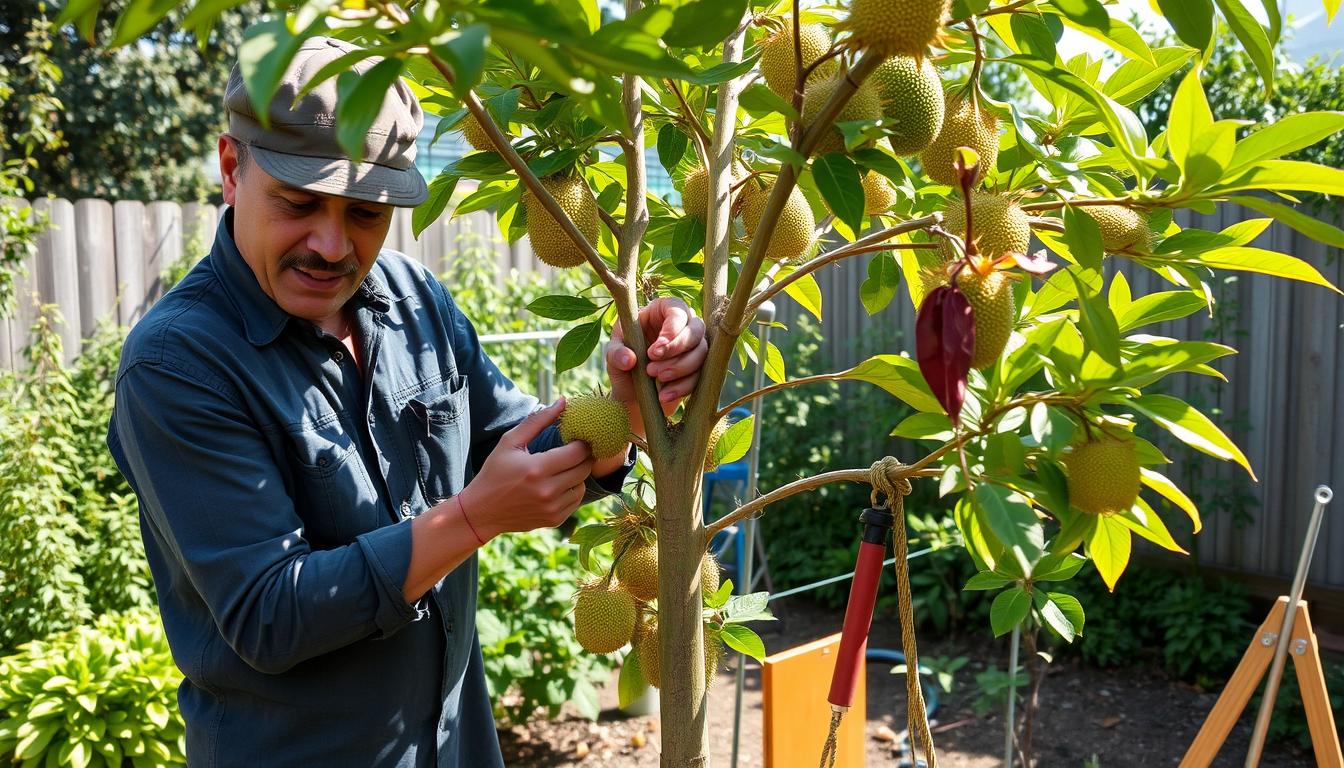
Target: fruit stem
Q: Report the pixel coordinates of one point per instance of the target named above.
(702, 140)
(973, 82)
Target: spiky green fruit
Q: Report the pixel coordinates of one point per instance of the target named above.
(713, 655)
(964, 125)
(991, 296)
(1001, 226)
(549, 241)
(474, 134)
(599, 421)
(878, 194)
(777, 62)
(896, 27)
(709, 575)
(638, 569)
(911, 95)
(650, 657)
(1122, 228)
(793, 235)
(863, 105)
(715, 435)
(604, 617)
(695, 191)
(1104, 475)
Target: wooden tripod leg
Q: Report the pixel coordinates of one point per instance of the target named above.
(1315, 700)
(1245, 679)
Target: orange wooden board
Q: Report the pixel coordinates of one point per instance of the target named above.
(794, 686)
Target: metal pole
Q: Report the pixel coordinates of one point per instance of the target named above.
(1323, 496)
(764, 316)
(1008, 727)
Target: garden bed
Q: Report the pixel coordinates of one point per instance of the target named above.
(1125, 717)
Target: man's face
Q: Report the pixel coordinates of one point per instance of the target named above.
(309, 251)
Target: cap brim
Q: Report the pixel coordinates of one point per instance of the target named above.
(369, 182)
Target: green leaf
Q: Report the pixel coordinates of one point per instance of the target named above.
(925, 426)
(1134, 80)
(807, 293)
(1253, 38)
(1188, 117)
(899, 376)
(440, 192)
(1033, 36)
(1248, 259)
(1331, 8)
(632, 46)
(1142, 520)
(1291, 175)
(1010, 608)
(139, 17)
(688, 237)
(562, 307)
(759, 101)
(1064, 614)
(750, 607)
(1310, 226)
(735, 443)
(1013, 522)
(986, 580)
(464, 50)
(722, 73)
(1285, 136)
(841, 187)
(743, 640)
(1164, 486)
(1108, 543)
(576, 346)
(1087, 13)
(672, 145)
(632, 683)
(702, 23)
(1159, 307)
(263, 57)
(1098, 325)
(1122, 37)
(586, 700)
(1192, 20)
(1190, 427)
(879, 287)
(359, 99)
(1083, 238)
(1059, 567)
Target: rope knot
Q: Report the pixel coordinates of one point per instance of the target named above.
(890, 485)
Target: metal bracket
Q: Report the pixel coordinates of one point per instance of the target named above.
(1300, 647)
(1269, 638)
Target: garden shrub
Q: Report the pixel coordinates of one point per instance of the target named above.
(101, 695)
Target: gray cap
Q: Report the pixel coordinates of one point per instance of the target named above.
(300, 147)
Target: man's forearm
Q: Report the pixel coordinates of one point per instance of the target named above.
(441, 539)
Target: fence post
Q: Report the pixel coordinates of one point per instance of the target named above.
(164, 225)
(130, 234)
(97, 263)
(58, 269)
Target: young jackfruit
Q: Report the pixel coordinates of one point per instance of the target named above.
(604, 617)
(991, 297)
(1122, 228)
(1000, 225)
(695, 191)
(792, 238)
(709, 575)
(896, 27)
(599, 421)
(715, 435)
(878, 194)
(862, 105)
(911, 94)
(650, 657)
(549, 241)
(475, 135)
(638, 569)
(964, 125)
(1104, 475)
(777, 64)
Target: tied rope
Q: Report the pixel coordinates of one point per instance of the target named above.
(917, 719)
(828, 752)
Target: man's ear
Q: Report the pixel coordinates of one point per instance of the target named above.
(228, 169)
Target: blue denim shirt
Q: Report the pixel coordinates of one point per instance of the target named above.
(275, 486)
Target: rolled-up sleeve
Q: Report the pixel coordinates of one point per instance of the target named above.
(215, 501)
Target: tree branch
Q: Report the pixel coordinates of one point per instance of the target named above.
(1054, 205)
(762, 392)
(530, 180)
(702, 140)
(1009, 8)
(868, 244)
(719, 165)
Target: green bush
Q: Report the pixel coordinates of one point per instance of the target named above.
(103, 695)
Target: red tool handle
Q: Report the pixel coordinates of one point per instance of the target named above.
(858, 620)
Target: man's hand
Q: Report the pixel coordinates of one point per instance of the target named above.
(521, 491)
(677, 349)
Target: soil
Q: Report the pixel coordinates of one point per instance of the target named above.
(1117, 718)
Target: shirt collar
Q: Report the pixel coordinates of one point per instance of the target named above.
(263, 319)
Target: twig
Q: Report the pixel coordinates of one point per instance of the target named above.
(1046, 223)
(1054, 205)
(1009, 8)
(702, 140)
(873, 242)
(530, 180)
(763, 391)
(610, 221)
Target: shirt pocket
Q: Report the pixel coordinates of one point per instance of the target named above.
(440, 424)
(332, 491)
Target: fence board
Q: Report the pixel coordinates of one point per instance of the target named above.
(58, 269)
(163, 221)
(132, 236)
(97, 263)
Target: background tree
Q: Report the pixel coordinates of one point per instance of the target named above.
(140, 120)
(1031, 369)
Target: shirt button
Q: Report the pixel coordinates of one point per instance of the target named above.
(405, 509)
(338, 355)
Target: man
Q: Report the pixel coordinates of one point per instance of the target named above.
(319, 446)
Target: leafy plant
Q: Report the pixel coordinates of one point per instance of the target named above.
(100, 695)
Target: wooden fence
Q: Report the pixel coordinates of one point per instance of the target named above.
(1283, 403)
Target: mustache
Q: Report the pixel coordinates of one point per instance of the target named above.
(313, 262)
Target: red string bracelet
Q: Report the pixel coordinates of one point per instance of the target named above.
(463, 510)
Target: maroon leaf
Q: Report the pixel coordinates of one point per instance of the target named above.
(1037, 263)
(944, 342)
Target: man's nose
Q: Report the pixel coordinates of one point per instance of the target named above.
(328, 239)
